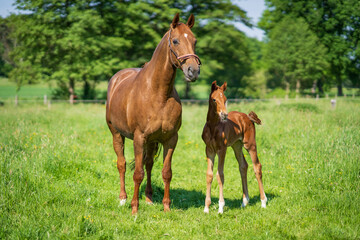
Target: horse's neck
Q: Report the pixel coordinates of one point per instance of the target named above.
(160, 69)
(212, 118)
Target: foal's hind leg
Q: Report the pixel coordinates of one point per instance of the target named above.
(149, 162)
(118, 143)
(251, 148)
(220, 178)
(243, 167)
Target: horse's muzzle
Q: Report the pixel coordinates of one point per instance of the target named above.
(191, 74)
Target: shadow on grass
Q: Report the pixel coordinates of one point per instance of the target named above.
(185, 199)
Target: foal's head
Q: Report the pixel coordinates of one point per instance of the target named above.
(182, 48)
(218, 100)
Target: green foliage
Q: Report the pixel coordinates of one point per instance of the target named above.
(59, 177)
(88, 41)
(294, 55)
(336, 24)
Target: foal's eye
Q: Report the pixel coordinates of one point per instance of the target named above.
(214, 100)
(175, 41)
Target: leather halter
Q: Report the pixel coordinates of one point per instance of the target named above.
(182, 58)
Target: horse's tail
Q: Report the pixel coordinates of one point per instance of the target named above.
(156, 153)
(254, 118)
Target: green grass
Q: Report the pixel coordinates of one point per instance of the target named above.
(59, 177)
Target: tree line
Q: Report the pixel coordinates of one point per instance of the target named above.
(308, 45)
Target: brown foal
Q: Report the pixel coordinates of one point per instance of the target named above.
(143, 105)
(223, 130)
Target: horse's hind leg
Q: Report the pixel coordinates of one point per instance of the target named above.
(251, 148)
(243, 167)
(118, 143)
(149, 162)
(221, 179)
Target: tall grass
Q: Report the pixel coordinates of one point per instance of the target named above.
(59, 177)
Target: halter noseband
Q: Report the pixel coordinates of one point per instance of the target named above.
(182, 58)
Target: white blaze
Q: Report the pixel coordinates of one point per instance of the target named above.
(185, 35)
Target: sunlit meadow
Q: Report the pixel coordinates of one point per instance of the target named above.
(59, 177)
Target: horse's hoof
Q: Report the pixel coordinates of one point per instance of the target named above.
(134, 211)
(263, 202)
(166, 208)
(122, 202)
(149, 201)
(206, 209)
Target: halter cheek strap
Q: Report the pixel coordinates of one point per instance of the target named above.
(182, 58)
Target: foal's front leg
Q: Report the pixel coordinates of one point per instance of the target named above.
(210, 155)
(220, 178)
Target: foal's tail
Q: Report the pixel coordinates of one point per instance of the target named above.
(254, 118)
(157, 151)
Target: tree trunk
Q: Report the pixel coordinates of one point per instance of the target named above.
(87, 89)
(71, 91)
(298, 85)
(320, 84)
(340, 91)
(339, 84)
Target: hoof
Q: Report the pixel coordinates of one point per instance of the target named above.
(206, 209)
(245, 202)
(149, 201)
(166, 208)
(122, 202)
(221, 207)
(134, 211)
(263, 202)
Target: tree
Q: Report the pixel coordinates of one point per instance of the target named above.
(336, 24)
(83, 42)
(295, 56)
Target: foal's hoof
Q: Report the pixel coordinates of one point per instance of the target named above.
(245, 202)
(206, 209)
(221, 207)
(263, 202)
(122, 202)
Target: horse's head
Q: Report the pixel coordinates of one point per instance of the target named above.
(182, 48)
(218, 100)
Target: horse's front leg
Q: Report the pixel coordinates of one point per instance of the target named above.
(169, 148)
(220, 177)
(138, 176)
(210, 156)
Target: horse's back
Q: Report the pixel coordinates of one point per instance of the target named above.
(119, 78)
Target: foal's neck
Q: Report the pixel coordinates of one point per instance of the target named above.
(212, 118)
(161, 70)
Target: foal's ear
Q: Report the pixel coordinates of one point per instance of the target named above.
(223, 87)
(214, 86)
(175, 21)
(191, 21)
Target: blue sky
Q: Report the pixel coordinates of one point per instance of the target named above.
(254, 9)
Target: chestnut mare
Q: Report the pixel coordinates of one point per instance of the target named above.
(143, 105)
(223, 130)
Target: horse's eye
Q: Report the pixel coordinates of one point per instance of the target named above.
(214, 100)
(175, 41)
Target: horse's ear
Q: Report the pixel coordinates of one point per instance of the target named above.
(191, 21)
(213, 86)
(175, 21)
(223, 87)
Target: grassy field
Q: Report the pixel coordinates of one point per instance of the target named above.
(59, 177)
